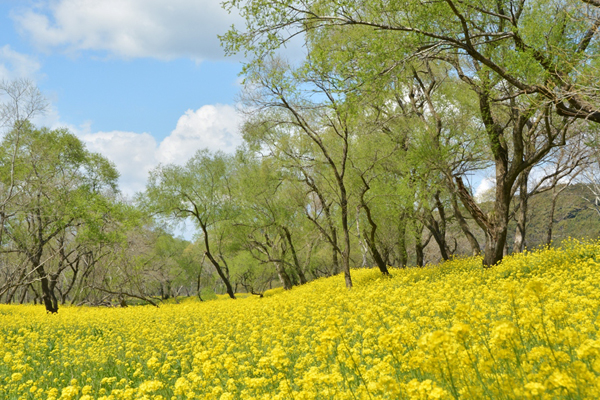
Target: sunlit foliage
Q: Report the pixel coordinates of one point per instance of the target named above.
(524, 329)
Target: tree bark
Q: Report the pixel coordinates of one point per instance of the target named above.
(297, 266)
(551, 216)
(36, 296)
(519, 242)
(48, 296)
(283, 276)
(11, 294)
(438, 235)
(215, 263)
(72, 283)
(346, 229)
(371, 238)
(438, 229)
(419, 245)
(494, 225)
(464, 226)
(402, 253)
(24, 294)
(363, 247)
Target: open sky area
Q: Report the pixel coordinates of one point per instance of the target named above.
(142, 82)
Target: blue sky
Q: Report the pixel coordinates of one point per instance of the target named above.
(140, 81)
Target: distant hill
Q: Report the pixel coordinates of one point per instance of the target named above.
(574, 217)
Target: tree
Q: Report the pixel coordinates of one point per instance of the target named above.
(269, 219)
(591, 177)
(429, 121)
(537, 48)
(528, 77)
(559, 168)
(311, 134)
(58, 187)
(199, 190)
(24, 101)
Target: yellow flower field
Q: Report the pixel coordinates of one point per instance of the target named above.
(527, 328)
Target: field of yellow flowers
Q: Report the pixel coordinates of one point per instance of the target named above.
(527, 328)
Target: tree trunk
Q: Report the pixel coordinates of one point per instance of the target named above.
(419, 259)
(52, 281)
(47, 283)
(330, 235)
(363, 247)
(498, 229)
(438, 236)
(221, 274)
(519, 242)
(419, 245)
(371, 239)
(24, 294)
(377, 257)
(36, 296)
(283, 276)
(464, 226)
(297, 266)
(495, 225)
(225, 266)
(75, 270)
(165, 290)
(551, 216)
(11, 294)
(198, 288)
(47, 294)
(402, 253)
(214, 261)
(346, 252)
(438, 229)
(334, 259)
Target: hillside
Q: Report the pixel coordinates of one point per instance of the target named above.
(573, 217)
(527, 328)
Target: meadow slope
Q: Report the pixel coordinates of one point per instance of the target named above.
(527, 328)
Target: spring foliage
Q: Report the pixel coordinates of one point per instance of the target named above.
(524, 329)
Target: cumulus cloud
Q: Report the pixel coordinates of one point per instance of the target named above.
(132, 153)
(483, 191)
(129, 28)
(215, 127)
(211, 127)
(17, 65)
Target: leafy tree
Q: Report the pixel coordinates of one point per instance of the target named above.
(313, 135)
(199, 190)
(58, 187)
(269, 218)
(530, 79)
(21, 101)
(537, 47)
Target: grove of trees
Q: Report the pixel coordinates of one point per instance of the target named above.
(360, 154)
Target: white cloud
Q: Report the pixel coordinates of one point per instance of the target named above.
(17, 65)
(132, 153)
(211, 127)
(215, 127)
(483, 191)
(129, 28)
